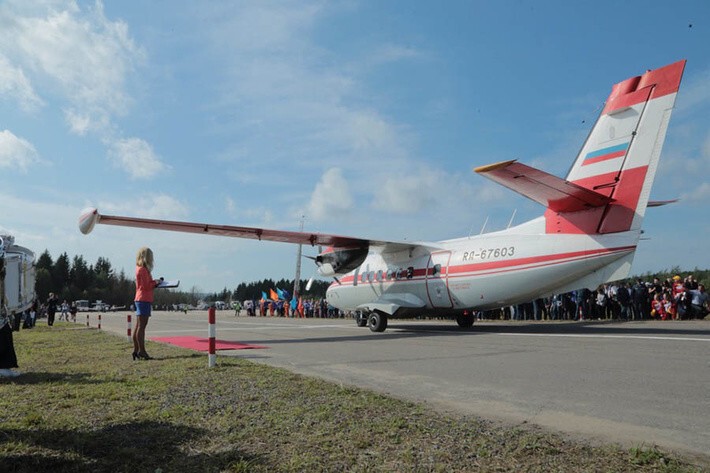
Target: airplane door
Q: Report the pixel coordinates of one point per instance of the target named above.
(437, 280)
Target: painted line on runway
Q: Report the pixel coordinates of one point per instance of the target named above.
(624, 337)
(263, 327)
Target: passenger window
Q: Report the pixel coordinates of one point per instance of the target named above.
(436, 270)
(410, 272)
(379, 275)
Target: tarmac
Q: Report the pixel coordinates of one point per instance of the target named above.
(632, 383)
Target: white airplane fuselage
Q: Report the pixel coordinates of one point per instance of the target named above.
(484, 271)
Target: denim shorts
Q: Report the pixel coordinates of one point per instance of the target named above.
(143, 308)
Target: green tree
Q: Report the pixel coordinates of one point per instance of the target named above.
(81, 277)
(60, 274)
(45, 261)
(43, 283)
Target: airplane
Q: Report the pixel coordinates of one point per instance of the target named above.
(586, 237)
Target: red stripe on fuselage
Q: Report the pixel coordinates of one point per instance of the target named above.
(507, 265)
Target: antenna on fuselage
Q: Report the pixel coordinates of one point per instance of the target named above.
(512, 217)
(484, 225)
(297, 279)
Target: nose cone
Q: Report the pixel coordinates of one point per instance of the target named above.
(88, 219)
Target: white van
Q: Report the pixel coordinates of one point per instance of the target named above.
(82, 305)
(19, 274)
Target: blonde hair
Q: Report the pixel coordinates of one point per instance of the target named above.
(145, 258)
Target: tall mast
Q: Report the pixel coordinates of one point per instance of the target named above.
(297, 281)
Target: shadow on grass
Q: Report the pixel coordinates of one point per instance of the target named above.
(40, 377)
(134, 447)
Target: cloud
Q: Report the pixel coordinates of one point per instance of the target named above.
(82, 54)
(15, 84)
(694, 93)
(409, 194)
(389, 53)
(699, 194)
(331, 196)
(82, 61)
(160, 206)
(16, 153)
(136, 157)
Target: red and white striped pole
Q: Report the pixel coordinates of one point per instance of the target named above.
(211, 333)
(128, 326)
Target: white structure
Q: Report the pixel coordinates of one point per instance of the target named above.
(19, 274)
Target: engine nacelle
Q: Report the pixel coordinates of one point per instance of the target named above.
(335, 261)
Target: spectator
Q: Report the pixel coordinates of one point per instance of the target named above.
(624, 300)
(64, 315)
(52, 302)
(601, 303)
(699, 302)
(72, 310)
(639, 297)
(658, 308)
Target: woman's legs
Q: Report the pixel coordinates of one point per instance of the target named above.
(139, 336)
(134, 337)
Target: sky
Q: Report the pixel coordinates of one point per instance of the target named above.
(358, 118)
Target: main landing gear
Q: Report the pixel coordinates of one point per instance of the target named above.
(465, 320)
(377, 321)
(361, 319)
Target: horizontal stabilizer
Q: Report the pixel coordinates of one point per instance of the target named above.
(551, 191)
(660, 203)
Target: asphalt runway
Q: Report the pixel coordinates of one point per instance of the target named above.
(635, 383)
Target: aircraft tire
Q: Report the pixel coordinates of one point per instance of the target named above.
(361, 319)
(377, 322)
(465, 321)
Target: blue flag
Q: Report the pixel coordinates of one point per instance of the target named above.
(264, 297)
(280, 293)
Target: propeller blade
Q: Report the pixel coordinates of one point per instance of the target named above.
(309, 284)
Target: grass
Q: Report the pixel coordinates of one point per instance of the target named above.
(83, 405)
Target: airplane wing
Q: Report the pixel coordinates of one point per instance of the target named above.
(91, 216)
(551, 191)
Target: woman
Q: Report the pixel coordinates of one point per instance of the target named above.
(143, 300)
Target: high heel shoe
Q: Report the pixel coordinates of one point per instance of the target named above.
(135, 355)
(144, 356)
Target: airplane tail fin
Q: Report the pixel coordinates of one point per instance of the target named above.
(620, 156)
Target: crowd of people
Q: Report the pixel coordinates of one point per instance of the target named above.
(675, 298)
(310, 308)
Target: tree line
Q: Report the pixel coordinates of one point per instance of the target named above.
(74, 279)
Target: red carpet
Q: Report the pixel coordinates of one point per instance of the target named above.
(201, 344)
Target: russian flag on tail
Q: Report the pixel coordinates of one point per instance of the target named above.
(605, 154)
